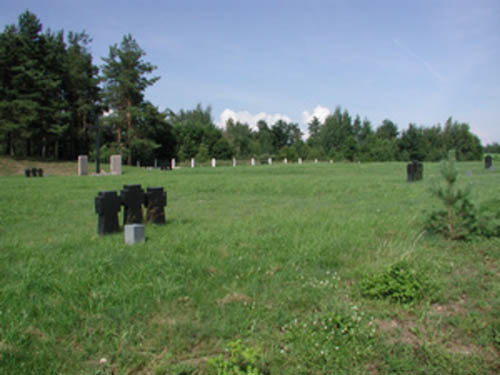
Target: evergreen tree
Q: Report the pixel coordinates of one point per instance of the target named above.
(388, 130)
(124, 76)
(81, 84)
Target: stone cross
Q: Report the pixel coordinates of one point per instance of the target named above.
(488, 162)
(83, 165)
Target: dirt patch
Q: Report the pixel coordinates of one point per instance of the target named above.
(400, 331)
(234, 297)
(451, 309)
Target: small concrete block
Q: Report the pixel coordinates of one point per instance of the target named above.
(134, 233)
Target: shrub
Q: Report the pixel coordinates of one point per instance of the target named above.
(399, 283)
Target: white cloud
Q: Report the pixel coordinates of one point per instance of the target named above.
(250, 119)
(320, 112)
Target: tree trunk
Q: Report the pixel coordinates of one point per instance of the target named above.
(129, 127)
(56, 150)
(44, 147)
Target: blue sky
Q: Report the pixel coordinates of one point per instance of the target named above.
(409, 61)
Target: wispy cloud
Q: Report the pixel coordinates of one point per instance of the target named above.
(410, 52)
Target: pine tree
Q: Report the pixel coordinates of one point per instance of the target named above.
(458, 219)
(124, 76)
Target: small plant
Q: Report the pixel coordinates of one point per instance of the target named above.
(242, 360)
(458, 220)
(399, 283)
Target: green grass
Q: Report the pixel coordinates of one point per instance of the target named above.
(269, 255)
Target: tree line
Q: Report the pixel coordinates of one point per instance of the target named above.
(53, 96)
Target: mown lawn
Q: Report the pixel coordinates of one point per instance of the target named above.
(269, 261)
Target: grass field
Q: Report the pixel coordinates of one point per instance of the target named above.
(260, 266)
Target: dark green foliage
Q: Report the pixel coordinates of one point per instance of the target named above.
(399, 283)
(489, 218)
(48, 90)
(493, 148)
(125, 79)
(458, 219)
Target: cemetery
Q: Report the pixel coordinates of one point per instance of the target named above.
(246, 257)
(298, 238)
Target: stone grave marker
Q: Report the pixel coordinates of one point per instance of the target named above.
(488, 162)
(252, 162)
(156, 200)
(115, 162)
(134, 233)
(83, 165)
(132, 198)
(107, 206)
(213, 163)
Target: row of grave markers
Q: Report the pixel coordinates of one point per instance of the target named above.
(414, 171)
(213, 162)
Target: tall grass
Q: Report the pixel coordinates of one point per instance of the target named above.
(259, 254)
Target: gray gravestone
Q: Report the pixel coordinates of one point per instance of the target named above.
(115, 162)
(83, 165)
(134, 233)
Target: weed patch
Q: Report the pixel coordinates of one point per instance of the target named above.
(400, 283)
